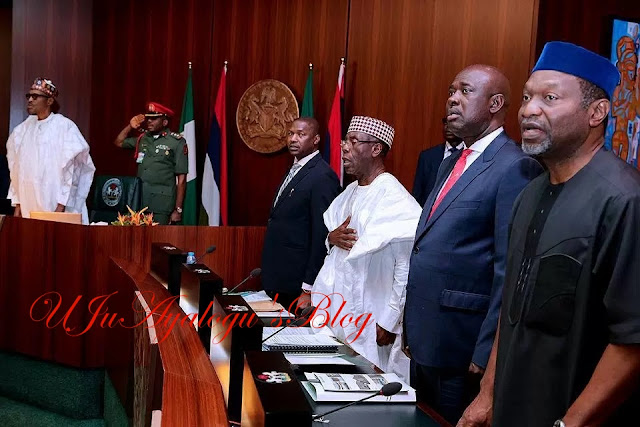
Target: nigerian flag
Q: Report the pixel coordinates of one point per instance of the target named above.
(188, 131)
(307, 101)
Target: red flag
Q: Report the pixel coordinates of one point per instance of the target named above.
(214, 178)
(334, 131)
(221, 117)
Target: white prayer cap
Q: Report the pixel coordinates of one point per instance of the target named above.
(374, 127)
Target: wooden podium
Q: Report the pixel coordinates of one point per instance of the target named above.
(166, 262)
(77, 262)
(271, 394)
(235, 329)
(198, 284)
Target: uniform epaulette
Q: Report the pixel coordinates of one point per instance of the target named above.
(176, 135)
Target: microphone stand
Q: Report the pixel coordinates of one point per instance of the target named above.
(319, 417)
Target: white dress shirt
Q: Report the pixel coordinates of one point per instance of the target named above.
(477, 149)
(448, 148)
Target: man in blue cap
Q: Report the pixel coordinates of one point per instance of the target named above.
(567, 351)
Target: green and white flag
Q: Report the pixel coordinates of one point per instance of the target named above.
(307, 100)
(188, 131)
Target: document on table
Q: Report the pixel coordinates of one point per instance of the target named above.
(302, 344)
(316, 359)
(284, 314)
(294, 330)
(255, 296)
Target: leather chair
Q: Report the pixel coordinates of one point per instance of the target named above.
(112, 194)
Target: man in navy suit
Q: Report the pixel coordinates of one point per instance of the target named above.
(429, 162)
(457, 265)
(5, 204)
(294, 244)
(4, 176)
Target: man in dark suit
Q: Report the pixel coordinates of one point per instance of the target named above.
(457, 265)
(4, 176)
(429, 162)
(5, 204)
(294, 245)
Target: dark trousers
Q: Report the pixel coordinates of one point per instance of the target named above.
(447, 390)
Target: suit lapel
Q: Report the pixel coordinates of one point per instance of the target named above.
(485, 160)
(296, 180)
(443, 172)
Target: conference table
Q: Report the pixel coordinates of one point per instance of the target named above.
(364, 414)
(243, 338)
(368, 414)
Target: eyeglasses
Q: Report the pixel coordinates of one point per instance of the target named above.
(35, 96)
(351, 142)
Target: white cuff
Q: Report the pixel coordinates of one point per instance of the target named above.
(307, 287)
(390, 320)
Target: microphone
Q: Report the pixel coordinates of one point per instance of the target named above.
(388, 389)
(208, 251)
(254, 273)
(298, 322)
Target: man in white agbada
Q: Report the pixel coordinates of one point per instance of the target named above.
(374, 221)
(49, 162)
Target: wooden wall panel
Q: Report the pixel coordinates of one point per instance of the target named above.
(141, 50)
(276, 39)
(6, 15)
(51, 38)
(584, 22)
(403, 54)
(401, 57)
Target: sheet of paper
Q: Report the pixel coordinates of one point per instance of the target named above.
(267, 330)
(284, 314)
(258, 306)
(316, 359)
(256, 296)
(303, 340)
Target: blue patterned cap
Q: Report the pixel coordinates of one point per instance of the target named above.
(575, 60)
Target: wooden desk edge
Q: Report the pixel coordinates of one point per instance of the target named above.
(188, 388)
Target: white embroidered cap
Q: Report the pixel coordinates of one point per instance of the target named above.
(374, 127)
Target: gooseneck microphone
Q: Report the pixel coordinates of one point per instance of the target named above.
(208, 251)
(254, 273)
(388, 389)
(298, 322)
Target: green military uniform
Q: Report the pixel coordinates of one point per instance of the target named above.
(160, 158)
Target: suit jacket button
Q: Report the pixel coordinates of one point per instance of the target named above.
(416, 250)
(269, 221)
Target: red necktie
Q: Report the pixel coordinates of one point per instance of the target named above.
(455, 174)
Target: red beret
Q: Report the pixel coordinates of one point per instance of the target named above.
(157, 110)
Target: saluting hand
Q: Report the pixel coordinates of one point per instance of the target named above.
(136, 121)
(343, 237)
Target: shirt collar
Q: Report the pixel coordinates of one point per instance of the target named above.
(45, 120)
(460, 146)
(303, 161)
(480, 145)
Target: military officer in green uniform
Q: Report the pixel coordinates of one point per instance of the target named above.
(162, 157)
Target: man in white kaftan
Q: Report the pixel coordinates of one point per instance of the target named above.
(368, 265)
(49, 162)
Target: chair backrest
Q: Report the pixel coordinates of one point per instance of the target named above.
(112, 194)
